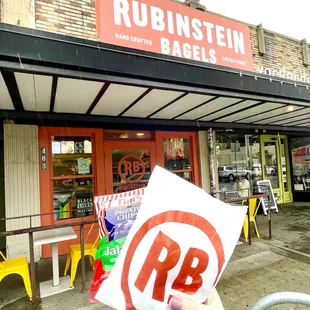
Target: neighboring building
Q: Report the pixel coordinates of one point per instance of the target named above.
(84, 118)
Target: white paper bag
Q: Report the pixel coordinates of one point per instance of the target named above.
(179, 244)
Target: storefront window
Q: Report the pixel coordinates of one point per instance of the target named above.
(300, 150)
(72, 177)
(131, 169)
(177, 157)
(239, 164)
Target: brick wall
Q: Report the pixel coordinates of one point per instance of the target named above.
(70, 17)
(281, 51)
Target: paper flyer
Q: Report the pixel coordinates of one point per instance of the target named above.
(179, 244)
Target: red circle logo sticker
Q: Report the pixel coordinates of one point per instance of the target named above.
(131, 168)
(164, 254)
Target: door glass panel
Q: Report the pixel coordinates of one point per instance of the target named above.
(131, 169)
(177, 157)
(270, 168)
(73, 198)
(72, 176)
(254, 158)
(71, 156)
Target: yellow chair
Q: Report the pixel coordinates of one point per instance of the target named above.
(74, 255)
(252, 210)
(16, 266)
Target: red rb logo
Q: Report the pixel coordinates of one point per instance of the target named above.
(152, 263)
(190, 265)
(131, 165)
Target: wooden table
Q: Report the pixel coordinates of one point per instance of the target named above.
(53, 236)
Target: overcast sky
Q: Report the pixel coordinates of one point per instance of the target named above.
(289, 17)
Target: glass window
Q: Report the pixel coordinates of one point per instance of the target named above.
(131, 169)
(177, 156)
(73, 198)
(72, 177)
(271, 163)
(239, 164)
(300, 150)
(71, 156)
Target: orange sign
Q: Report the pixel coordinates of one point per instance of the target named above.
(131, 165)
(174, 29)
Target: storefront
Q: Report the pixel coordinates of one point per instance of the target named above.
(99, 117)
(254, 157)
(81, 163)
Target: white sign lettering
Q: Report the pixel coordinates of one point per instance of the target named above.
(175, 23)
(283, 73)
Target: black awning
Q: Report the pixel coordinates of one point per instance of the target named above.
(65, 78)
(25, 45)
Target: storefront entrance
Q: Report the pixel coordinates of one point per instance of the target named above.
(128, 164)
(254, 157)
(80, 163)
(276, 167)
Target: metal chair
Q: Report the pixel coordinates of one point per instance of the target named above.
(282, 298)
(16, 266)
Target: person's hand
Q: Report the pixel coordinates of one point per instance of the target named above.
(181, 303)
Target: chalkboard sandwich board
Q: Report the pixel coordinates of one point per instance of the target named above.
(268, 202)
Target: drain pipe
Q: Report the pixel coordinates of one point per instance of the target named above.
(282, 298)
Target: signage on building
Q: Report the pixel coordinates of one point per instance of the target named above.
(43, 158)
(131, 168)
(284, 74)
(174, 29)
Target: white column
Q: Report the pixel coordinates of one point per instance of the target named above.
(204, 160)
(22, 194)
(18, 12)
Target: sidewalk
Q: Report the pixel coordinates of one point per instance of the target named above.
(253, 271)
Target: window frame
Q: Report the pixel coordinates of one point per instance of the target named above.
(47, 175)
(192, 137)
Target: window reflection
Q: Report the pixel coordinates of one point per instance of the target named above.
(73, 193)
(239, 163)
(71, 155)
(73, 198)
(300, 150)
(177, 157)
